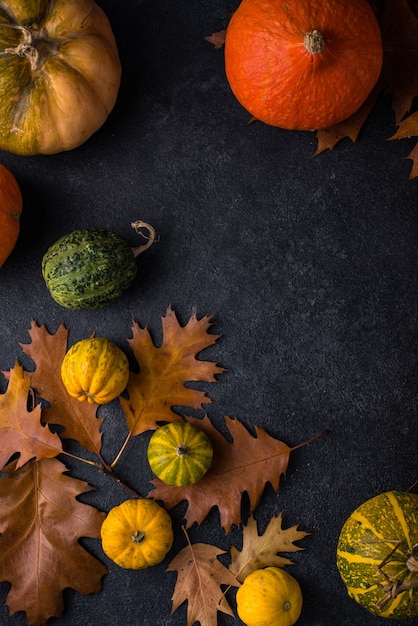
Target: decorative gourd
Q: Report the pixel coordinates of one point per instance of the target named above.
(269, 597)
(179, 453)
(137, 534)
(10, 212)
(91, 268)
(377, 555)
(305, 64)
(59, 74)
(95, 370)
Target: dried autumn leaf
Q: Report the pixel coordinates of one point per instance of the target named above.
(217, 39)
(21, 430)
(78, 418)
(262, 550)
(41, 522)
(200, 576)
(243, 466)
(164, 371)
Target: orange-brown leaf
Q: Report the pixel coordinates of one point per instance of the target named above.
(243, 466)
(349, 128)
(200, 575)
(413, 155)
(78, 418)
(262, 550)
(21, 430)
(217, 39)
(164, 371)
(41, 522)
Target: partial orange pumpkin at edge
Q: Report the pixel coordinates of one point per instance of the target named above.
(10, 211)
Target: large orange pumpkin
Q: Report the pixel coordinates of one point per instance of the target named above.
(59, 74)
(303, 64)
(10, 211)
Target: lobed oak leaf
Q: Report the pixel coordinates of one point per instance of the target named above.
(21, 430)
(79, 419)
(244, 466)
(200, 575)
(41, 522)
(164, 371)
(260, 551)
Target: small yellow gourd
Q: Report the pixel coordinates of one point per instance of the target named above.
(137, 534)
(269, 597)
(95, 370)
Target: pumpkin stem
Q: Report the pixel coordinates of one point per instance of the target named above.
(138, 536)
(182, 450)
(314, 42)
(150, 235)
(33, 46)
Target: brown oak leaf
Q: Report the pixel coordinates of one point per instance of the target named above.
(262, 550)
(21, 430)
(78, 418)
(164, 371)
(200, 575)
(244, 465)
(41, 522)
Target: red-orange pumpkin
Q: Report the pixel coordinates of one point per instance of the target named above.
(303, 64)
(10, 211)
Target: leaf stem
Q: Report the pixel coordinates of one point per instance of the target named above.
(104, 468)
(305, 443)
(119, 454)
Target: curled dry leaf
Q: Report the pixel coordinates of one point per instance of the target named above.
(47, 351)
(21, 431)
(164, 371)
(200, 575)
(244, 465)
(262, 550)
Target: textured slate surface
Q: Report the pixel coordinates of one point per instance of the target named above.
(308, 265)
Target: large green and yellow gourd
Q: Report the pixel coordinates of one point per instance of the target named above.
(180, 453)
(89, 268)
(377, 555)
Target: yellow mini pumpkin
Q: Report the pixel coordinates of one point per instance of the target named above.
(269, 597)
(95, 370)
(137, 534)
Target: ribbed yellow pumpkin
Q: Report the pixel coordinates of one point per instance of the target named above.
(137, 534)
(95, 370)
(269, 597)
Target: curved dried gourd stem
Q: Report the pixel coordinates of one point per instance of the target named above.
(146, 231)
(394, 586)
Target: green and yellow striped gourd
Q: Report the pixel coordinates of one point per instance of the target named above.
(180, 453)
(377, 555)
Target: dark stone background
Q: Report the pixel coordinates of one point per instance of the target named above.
(308, 264)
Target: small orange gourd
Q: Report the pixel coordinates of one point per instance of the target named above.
(10, 212)
(269, 597)
(137, 534)
(303, 64)
(95, 370)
